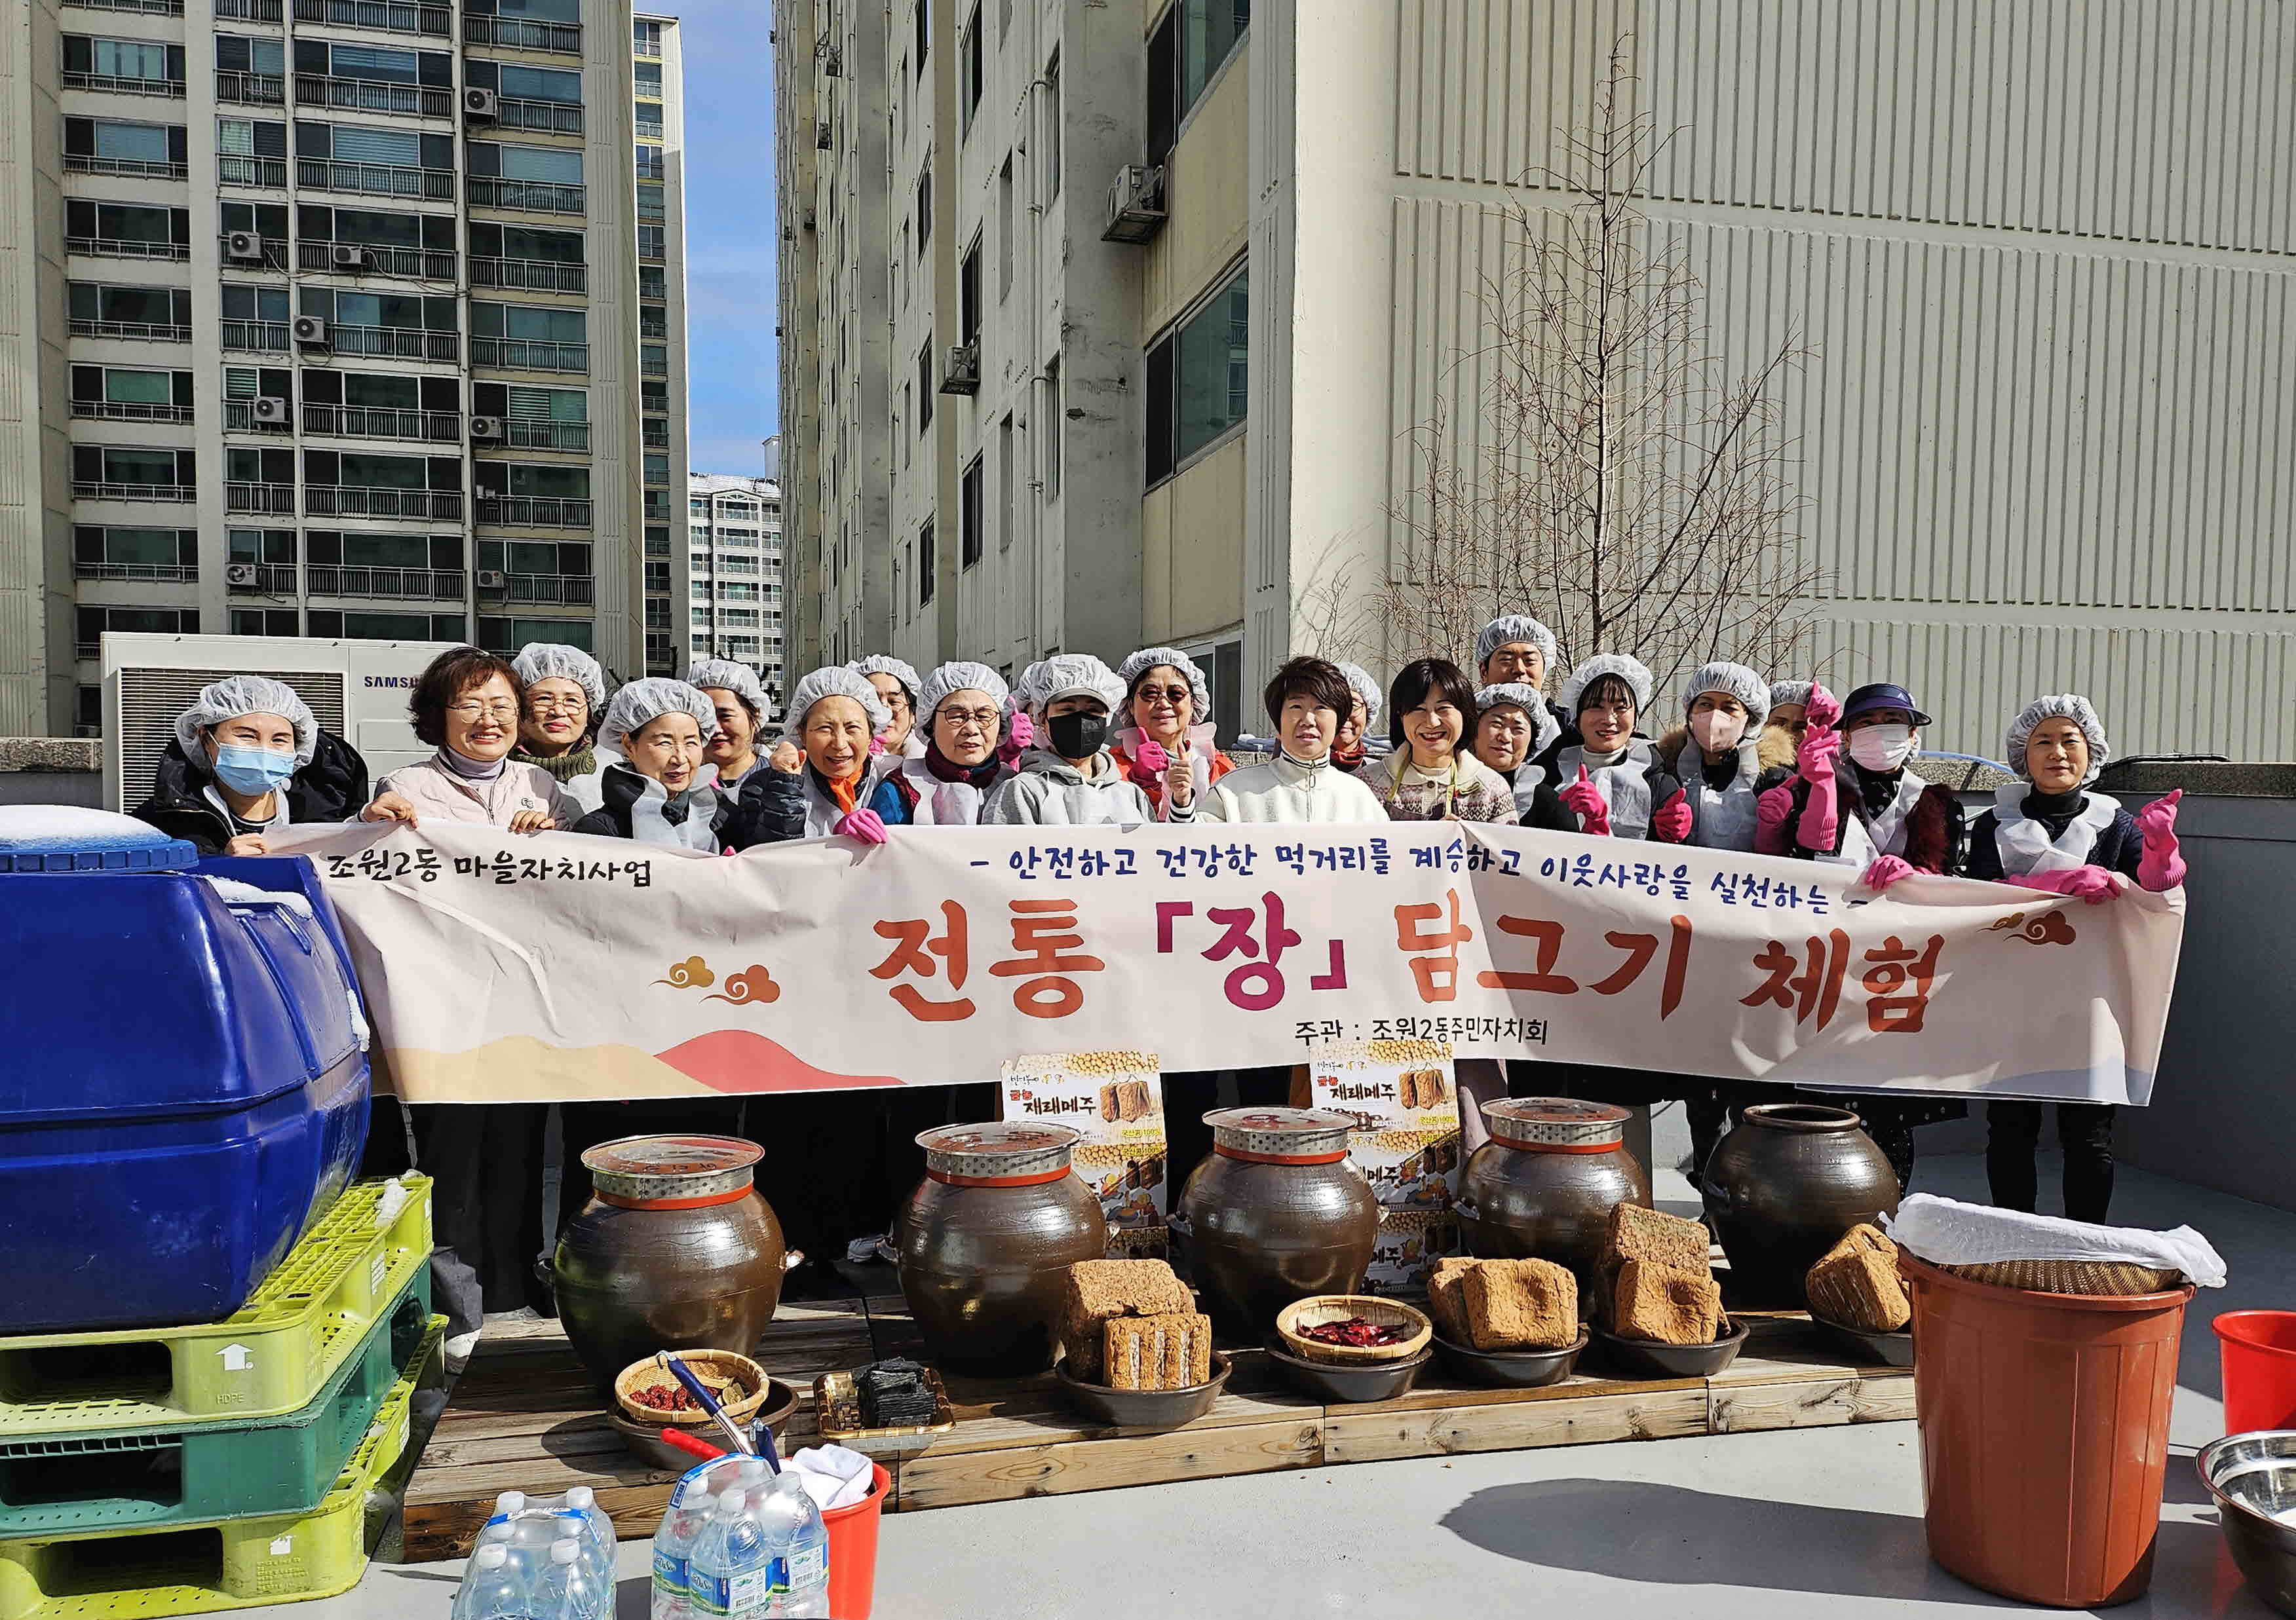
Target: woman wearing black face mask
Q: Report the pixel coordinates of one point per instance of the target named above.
(1071, 777)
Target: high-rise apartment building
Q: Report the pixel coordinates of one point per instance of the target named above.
(735, 610)
(1114, 324)
(333, 318)
(658, 100)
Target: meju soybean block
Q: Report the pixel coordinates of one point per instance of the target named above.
(1094, 1291)
(1443, 1296)
(1520, 1304)
(1637, 1233)
(1665, 1306)
(1859, 1288)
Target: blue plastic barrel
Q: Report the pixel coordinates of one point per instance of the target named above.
(182, 1072)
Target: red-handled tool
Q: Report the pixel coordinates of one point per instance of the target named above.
(691, 1444)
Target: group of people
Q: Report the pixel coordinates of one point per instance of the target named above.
(1733, 761)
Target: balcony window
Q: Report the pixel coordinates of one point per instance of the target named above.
(521, 256)
(120, 393)
(427, 568)
(160, 315)
(263, 560)
(651, 205)
(91, 624)
(645, 38)
(249, 151)
(653, 283)
(509, 635)
(525, 25)
(530, 337)
(382, 404)
(378, 162)
(654, 359)
(384, 16)
(388, 626)
(417, 245)
(971, 514)
(645, 121)
(275, 622)
(1198, 377)
(537, 418)
(530, 98)
(106, 551)
(646, 76)
(544, 495)
(127, 230)
(651, 245)
(361, 485)
(259, 481)
(110, 146)
(374, 78)
(649, 163)
(251, 71)
(266, 222)
(106, 472)
(539, 179)
(657, 470)
(140, 67)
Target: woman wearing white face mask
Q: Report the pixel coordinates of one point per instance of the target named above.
(1873, 814)
(1723, 758)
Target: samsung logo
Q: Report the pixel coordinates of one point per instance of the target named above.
(375, 680)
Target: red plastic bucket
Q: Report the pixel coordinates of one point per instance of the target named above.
(853, 1549)
(2258, 1348)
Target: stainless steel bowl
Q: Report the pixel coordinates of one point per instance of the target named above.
(2253, 1478)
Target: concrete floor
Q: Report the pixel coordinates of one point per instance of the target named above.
(1803, 1523)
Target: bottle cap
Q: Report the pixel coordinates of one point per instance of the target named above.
(580, 1498)
(564, 1552)
(493, 1555)
(700, 1502)
(510, 1501)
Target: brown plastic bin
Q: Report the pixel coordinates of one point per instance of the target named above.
(2045, 1434)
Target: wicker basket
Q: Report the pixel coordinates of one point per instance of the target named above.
(1339, 1307)
(717, 1370)
(2117, 1278)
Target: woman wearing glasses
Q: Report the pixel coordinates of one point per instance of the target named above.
(1609, 775)
(1165, 746)
(961, 711)
(564, 693)
(468, 705)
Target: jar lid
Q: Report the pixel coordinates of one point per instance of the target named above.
(1555, 1124)
(1013, 1153)
(47, 839)
(672, 1172)
(1281, 1136)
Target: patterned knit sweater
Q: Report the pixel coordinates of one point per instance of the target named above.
(1469, 791)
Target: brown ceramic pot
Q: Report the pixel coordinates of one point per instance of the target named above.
(1275, 1214)
(986, 1238)
(1543, 1187)
(1783, 1186)
(674, 1250)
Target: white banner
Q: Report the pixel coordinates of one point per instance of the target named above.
(556, 966)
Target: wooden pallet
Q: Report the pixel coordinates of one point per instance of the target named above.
(523, 1418)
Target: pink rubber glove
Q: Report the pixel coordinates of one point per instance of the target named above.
(1018, 736)
(1886, 870)
(2091, 884)
(1586, 798)
(1820, 827)
(1823, 708)
(1770, 811)
(876, 747)
(2160, 868)
(1152, 758)
(1670, 822)
(863, 826)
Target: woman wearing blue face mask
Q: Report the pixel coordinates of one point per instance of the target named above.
(243, 768)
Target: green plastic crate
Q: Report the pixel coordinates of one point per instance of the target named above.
(61, 1483)
(270, 1358)
(239, 1563)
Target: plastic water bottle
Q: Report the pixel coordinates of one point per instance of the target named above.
(727, 1575)
(492, 1588)
(570, 1591)
(599, 1529)
(805, 1554)
(673, 1549)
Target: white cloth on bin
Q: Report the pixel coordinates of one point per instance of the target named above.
(1947, 1231)
(833, 1475)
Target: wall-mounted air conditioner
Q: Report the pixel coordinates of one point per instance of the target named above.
(961, 373)
(271, 413)
(481, 106)
(310, 331)
(486, 427)
(350, 256)
(239, 574)
(1135, 204)
(243, 244)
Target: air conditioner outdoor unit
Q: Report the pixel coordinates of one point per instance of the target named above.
(243, 244)
(832, 62)
(486, 427)
(239, 573)
(962, 375)
(481, 104)
(822, 138)
(350, 256)
(358, 689)
(493, 579)
(1135, 204)
(310, 331)
(809, 219)
(271, 411)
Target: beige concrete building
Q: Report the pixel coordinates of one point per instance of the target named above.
(333, 319)
(2044, 265)
(733, 574)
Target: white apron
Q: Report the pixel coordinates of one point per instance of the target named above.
(649, 825)
(1624, 784)
(1862, 840)
(1724, 817)
(942, 803)
(2024, 844)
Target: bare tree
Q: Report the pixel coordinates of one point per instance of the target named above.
(1616, 481)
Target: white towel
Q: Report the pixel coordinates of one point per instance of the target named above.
(833, 1475)
(1945, 1232)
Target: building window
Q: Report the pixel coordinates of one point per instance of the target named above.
(969, 66)
(1055, 424)
(924, 209)
(645, 38)
(924, 387)
(969, 516)
(1004, 229)
(924, 33)
(925, 564)
(263, 621)
(91, 623)
(1052, 128)
(1197, 374)
(1004, 484)
(113, 552)
(1188, 49)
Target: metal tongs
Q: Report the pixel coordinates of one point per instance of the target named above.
(746, 1444)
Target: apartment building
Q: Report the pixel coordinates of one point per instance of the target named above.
(658, 103)
(734, 581)
(1238, 267)
(328, 318)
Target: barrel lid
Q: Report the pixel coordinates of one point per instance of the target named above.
(661, 1170)
(1285, 1135)
(1554, 1122)
(51, 839)
(1009, 1153)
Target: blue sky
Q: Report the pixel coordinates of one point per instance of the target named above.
(733, 381)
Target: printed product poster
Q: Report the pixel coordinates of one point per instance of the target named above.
(1406, 1105)
(1116, 1099)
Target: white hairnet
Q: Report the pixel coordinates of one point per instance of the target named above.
(248, 694)
(1528, 699)
(1796, 693)
(724, 675)
(1633, 671)
(2063, 705)
(1066, 675)
(640, 703)
(948, 679)
(1736, 679)
(885, 663)
(1360, 682)
(835, 680)
(555, 660)
(1515, 627)
(1130, 671)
